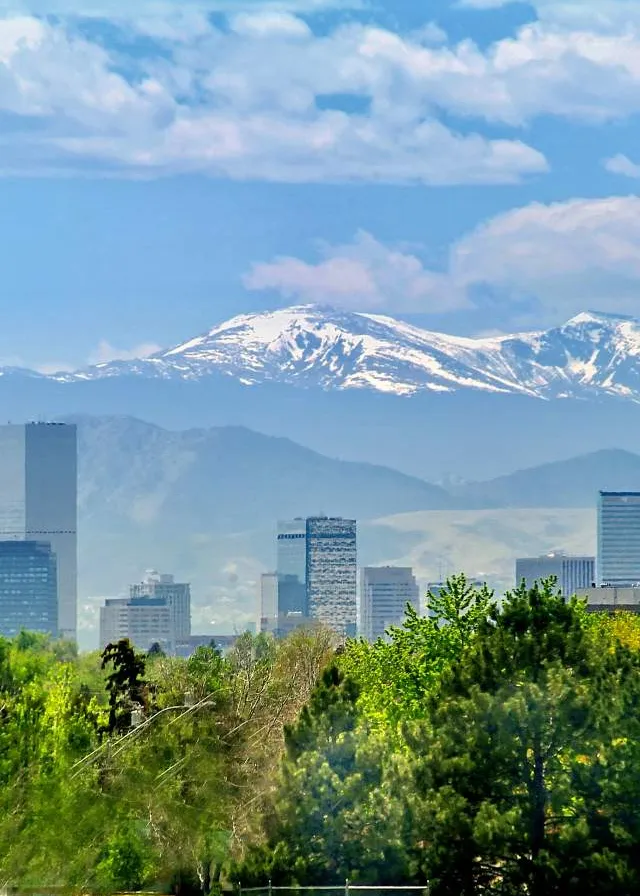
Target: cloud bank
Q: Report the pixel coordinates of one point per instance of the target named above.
(563, 257)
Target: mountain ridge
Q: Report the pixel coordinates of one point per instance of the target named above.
(311, 346)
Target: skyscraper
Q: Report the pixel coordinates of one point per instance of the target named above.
(28, 588)
(384, 594)
(573, 573)
(332, 572)
(619, 538)
(292, 567)
(38, 501)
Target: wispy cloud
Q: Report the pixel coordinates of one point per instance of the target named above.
(622, 165)
(362, 274)
(564, 258)
(104, 351)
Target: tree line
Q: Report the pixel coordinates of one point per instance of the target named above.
(487, 750)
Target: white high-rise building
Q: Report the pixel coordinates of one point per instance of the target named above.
(384, 594)
(39, 501)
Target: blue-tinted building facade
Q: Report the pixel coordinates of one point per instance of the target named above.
(619, 538)
(292, 567)
(39, 498)
(28, 588)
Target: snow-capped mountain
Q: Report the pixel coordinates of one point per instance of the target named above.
(590, 355)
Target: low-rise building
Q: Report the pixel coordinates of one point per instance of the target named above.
(612, 599)
(143, 621)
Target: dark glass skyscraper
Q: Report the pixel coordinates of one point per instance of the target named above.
(28, 588)
(332, 572)
(619, 538)
(38, 500)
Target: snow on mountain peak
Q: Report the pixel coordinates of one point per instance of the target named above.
(319, 346)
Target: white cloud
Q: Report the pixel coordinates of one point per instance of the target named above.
(569, 256)
(362, 274)
(622, 165)
(269, 24)
(256, 115)
(564, 257)
(266, 98)
(104, 351)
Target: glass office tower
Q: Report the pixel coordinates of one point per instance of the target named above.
(619, 538)
(28, 588)
(38, 501)
(332, 572)
(292, 567)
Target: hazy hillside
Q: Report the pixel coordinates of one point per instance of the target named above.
(482, 543)
(227, 478)
(571, 483)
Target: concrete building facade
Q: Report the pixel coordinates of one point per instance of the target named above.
(177, 596)
(144, 621)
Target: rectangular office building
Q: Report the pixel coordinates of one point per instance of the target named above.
(619, 538)
(177, 596)
(332, 572)
(28, 588)
(384, 594)
(38, 501)
(143, 621)
(573, 574)
(291, 567)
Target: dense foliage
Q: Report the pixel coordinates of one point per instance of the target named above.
(485, 750)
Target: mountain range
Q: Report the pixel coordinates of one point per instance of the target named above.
(309, 346)
(368, 388)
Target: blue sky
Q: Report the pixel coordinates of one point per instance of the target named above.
(472, 166)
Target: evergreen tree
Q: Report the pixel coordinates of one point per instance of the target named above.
(125, 684)
(507, 764)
